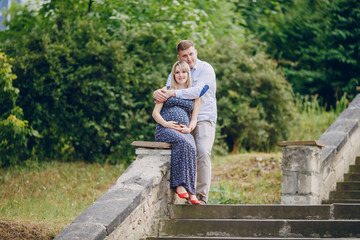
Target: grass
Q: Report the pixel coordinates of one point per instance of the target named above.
(250, 178)
(50, 195)
(312, 119)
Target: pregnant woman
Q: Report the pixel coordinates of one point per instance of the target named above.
(176, 118)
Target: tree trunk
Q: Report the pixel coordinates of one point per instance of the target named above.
(235, 148)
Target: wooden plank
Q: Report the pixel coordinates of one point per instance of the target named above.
(301, 143)
(149, 144)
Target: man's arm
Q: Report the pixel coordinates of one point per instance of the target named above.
(206, 80)
(161, 95)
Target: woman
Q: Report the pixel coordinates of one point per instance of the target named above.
(176, 118)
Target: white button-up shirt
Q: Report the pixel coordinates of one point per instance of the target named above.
(203, 77)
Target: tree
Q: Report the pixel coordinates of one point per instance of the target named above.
(86, 70)
(315, 43)
(254, 99)
(14, 132)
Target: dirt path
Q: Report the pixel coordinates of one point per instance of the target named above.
(23, 231)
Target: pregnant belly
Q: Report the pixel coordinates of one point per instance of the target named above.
(177, 115)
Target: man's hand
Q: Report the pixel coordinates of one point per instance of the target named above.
(161, 95)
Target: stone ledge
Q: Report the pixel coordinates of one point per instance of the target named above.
(355, 103)
(340, 131)
(131, 189)
(301, 143)
(328, 153)
(348, 126)
(83, 231)
(151, 152)
(148, 144)
(334, 139)
(350, 113)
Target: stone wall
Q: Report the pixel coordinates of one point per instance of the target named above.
(131, 207)
(342, 145)
(312, 168)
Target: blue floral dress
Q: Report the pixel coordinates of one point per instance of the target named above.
(183, 149)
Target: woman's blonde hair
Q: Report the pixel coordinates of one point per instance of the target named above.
(182, 66)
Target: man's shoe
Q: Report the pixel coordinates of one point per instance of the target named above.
(202, 202)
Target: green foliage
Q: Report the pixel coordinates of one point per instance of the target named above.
(8, 93)
(315, 42)
(312, 118)
(343, 61)
(87, 69)
(14, 132)
(254, 100)
(79, 92)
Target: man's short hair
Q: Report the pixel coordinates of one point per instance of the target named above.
(184, 44)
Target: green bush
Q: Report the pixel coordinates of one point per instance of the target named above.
(255, 102)
(315, 42)
(79, 91)
(14, 132)
(87, 72)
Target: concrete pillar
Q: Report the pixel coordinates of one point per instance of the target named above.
(302, 178)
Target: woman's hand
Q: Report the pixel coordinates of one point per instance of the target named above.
(193, 125)
(185, 129)
(173, 125)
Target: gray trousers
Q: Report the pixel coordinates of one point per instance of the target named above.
(204, 135)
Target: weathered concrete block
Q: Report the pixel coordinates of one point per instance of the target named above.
(309, 184)
(289, 183)
(82, 231)
(328, 152)
(350, 113)
(299, 199)
(355, 102)
(329, 185)
(349, 156)
(339, 170)
(301, 158)
(152, 152)
(336, 139)
(347, 126)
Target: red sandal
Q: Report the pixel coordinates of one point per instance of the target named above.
(182, 195)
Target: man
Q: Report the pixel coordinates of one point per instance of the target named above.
(204, 86)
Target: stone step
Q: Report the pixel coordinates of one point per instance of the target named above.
(351, 194)
(253, 211)
(357, 160)
(346, 186)
(351, 177)
(235, 238)
(260, 228)
(336, 201)
(354, 169)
